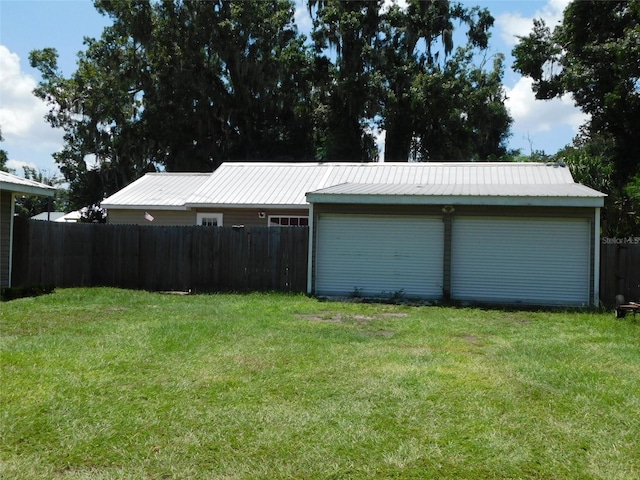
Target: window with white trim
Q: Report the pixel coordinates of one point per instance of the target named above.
(288, 221)
(209, 219)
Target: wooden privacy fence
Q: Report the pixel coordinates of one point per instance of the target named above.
(620, 270)
(206, 259)
(201, 259)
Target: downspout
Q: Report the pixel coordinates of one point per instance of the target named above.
(596, 258)
(310, 251)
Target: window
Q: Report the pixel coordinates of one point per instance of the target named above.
(288, 221)
(209, 219)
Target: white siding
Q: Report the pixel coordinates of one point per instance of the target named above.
(379, 255)
(521, 260)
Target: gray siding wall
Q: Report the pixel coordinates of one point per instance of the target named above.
(5, 237)
(230, 216)
(163, 218)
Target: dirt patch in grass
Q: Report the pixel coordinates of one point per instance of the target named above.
(336, 317)
(381, 333)
(470, 339)
(358, 319)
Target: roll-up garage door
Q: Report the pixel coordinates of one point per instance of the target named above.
(536, 261)
(376, 255)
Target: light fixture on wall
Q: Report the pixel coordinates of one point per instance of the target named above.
(261, 215)
(448, 209)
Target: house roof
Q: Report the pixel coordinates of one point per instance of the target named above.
(168, 191)
(294, 185)
(269, 184)
(51, 216)
(58, 216)
(13, 183)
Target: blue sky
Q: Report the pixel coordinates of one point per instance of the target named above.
(26, 25)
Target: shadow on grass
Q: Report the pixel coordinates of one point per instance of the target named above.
(13, 293)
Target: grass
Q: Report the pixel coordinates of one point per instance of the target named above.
(112, 384)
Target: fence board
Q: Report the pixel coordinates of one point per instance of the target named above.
(194, 258)
(620, 272)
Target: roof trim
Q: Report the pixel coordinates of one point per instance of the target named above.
(487, 200)
(110, 206)
(15, 184)
(259, 206)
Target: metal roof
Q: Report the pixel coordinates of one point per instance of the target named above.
(167, 190)
(17, 184)
(277, 184)
(571, 194)
(261, 184)
(292, 185)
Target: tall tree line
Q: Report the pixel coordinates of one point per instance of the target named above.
(594, 54)
(186, 85)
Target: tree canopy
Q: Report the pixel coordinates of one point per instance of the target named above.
(185, 85)
(595, 56)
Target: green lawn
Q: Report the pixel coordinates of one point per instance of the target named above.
(112, 384)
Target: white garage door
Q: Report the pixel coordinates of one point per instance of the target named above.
(379, 255)
(530, 261)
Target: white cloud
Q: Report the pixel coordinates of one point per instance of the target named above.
(20, 109)
(513, 24)
(538, 116)
(18, 165)
(22, 114)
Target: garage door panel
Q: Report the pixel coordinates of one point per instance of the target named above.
(379, 255)
(532, 261)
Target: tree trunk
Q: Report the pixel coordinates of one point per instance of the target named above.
(398, 140)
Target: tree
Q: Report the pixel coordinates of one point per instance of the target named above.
(28, 206)
(346, 28)
(181, 85)
(438, 104)
(185, 85)
(594, 55)
(397, 67)
(591, 162)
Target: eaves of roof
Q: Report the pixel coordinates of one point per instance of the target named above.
(568, 195)
(12, 183)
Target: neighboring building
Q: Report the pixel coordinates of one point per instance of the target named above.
(10, 187)
(48, 216)
(58, 216)
(522, 233)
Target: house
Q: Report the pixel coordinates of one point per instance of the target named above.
(250, 194)
(515, 233)
(10, 187)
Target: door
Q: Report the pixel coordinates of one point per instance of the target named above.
(538, 261)
(379, 256)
